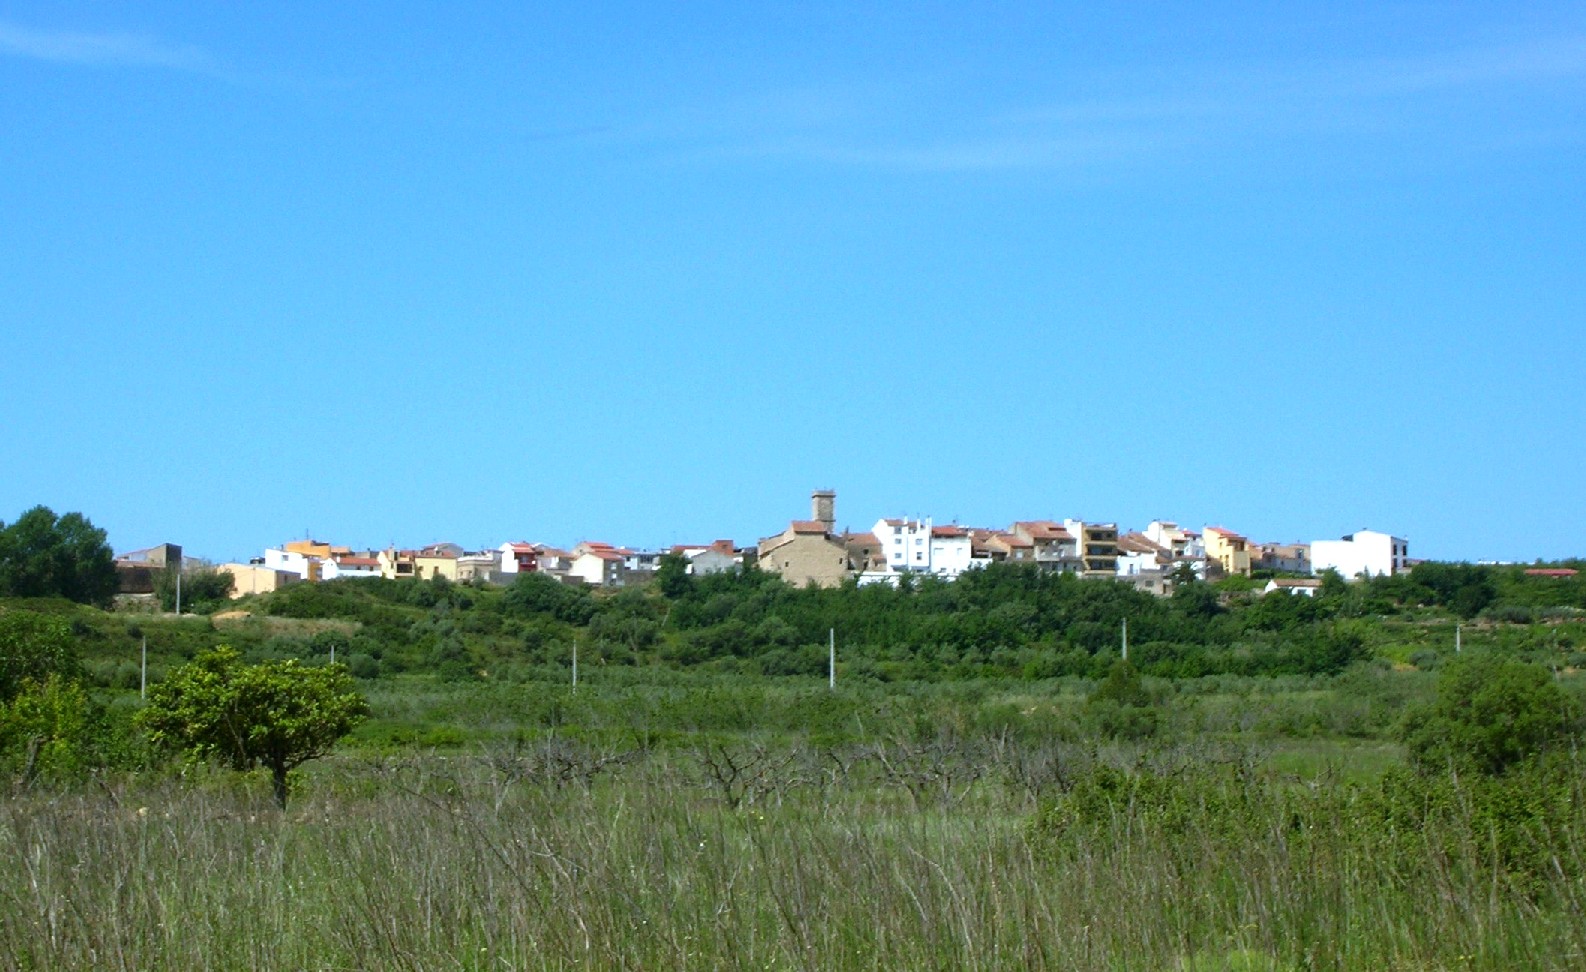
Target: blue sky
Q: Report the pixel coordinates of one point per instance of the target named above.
(477, 272)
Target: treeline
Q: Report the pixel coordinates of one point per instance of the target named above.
(1006, 620)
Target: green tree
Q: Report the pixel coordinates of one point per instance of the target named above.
(1463, 588)
(1121, 706)
(203, 589)
(672, 577)
(52, 729)
(1197, 599)
(538, 593)
(45, 556)
(278, 715)
(33, 647)
(1490, 714)
(1122, 685)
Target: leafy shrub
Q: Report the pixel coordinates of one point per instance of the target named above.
(1490, 715)
(34, 646)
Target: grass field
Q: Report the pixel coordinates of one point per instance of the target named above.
(700, 824)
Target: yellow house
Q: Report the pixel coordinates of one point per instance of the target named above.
(256, 579)
(1228, 550)
(436, 560)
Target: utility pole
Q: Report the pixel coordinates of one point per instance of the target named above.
(575, 664)
(178, 585)
(831, 659)
(143, 671)
(1458, 630)
(1125, 639)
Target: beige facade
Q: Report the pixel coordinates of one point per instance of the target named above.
(426, 564)
(256, 579)
(805, 553)
(1228, 550)
(432, 564)
(1053, 546)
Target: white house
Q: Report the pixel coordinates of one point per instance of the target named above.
(1295, 587)
(1184, 544)
(1362, 552)
(717, 558)
(291, 562)
(553, 561)
(597, 564)
(480, 565)
(518, 557)
(917, 546)
(1138, 555)
(641, 561)
(349, 566)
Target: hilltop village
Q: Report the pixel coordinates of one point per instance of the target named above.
(815, 552)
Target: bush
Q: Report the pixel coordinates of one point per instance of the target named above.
(33, 647)
(1490, 714)
(53, 731)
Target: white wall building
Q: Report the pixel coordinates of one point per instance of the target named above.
(597, 564)
(918, 547)
(1183, 544)
(717, 558)
(1362, 552)
(518, 557)
(349, 567)
(292, 562)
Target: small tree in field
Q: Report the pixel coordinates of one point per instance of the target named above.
(1491, 714)
(278, 715)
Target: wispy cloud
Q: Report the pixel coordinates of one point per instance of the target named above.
(102, 50)
(1167, 112)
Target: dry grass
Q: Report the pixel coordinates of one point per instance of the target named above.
(488, 862)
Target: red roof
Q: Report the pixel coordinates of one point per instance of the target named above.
(809, 526)
(949, 531)
(1044, 530)
(357, 561)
